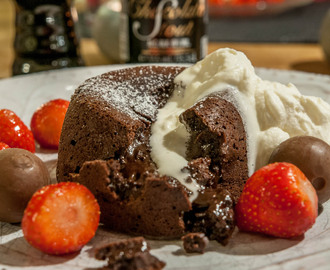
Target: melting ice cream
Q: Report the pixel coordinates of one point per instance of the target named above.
(272, 112)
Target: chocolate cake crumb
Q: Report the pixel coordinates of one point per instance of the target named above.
(115, 250)
(212, 214)
(128, 254)
(195, 242)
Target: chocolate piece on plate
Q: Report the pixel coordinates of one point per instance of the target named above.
(312, 156)
(195, 242)
(128, 254)
(22, 174)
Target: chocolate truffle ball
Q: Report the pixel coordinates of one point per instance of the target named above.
(21, 174)
(312, 156)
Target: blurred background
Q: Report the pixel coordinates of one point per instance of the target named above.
(282, 21)
(240, 20)
(281, 30)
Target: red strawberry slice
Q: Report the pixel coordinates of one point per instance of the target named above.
(277, 200)
(61, 218)
(3, 146)
(47, 121)
(14, 132)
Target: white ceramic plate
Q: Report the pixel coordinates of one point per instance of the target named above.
(24, 94)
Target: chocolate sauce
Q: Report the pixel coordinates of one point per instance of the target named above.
(130, 169)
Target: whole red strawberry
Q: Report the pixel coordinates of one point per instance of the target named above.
(14, 132)
(3, 146)
(277, 200)
(61, 218)
(47, 121)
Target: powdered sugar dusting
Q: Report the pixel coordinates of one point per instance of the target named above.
(137, 93)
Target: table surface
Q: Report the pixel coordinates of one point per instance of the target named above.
(302, 57)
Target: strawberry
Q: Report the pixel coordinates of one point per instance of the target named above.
(14, 132)
(3, 146)
(47, 121)
(277, 200)
(61, 218)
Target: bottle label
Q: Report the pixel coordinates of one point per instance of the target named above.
(167, 30)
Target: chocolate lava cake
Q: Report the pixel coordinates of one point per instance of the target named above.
(105, 146)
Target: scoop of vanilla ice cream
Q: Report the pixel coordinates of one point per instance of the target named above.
(271, 112)
(283, 112)
(267, 141)
(222, 68)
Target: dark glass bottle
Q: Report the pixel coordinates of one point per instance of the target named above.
(166, 30)
(45, 37)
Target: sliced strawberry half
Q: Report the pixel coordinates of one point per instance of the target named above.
(61, 218)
